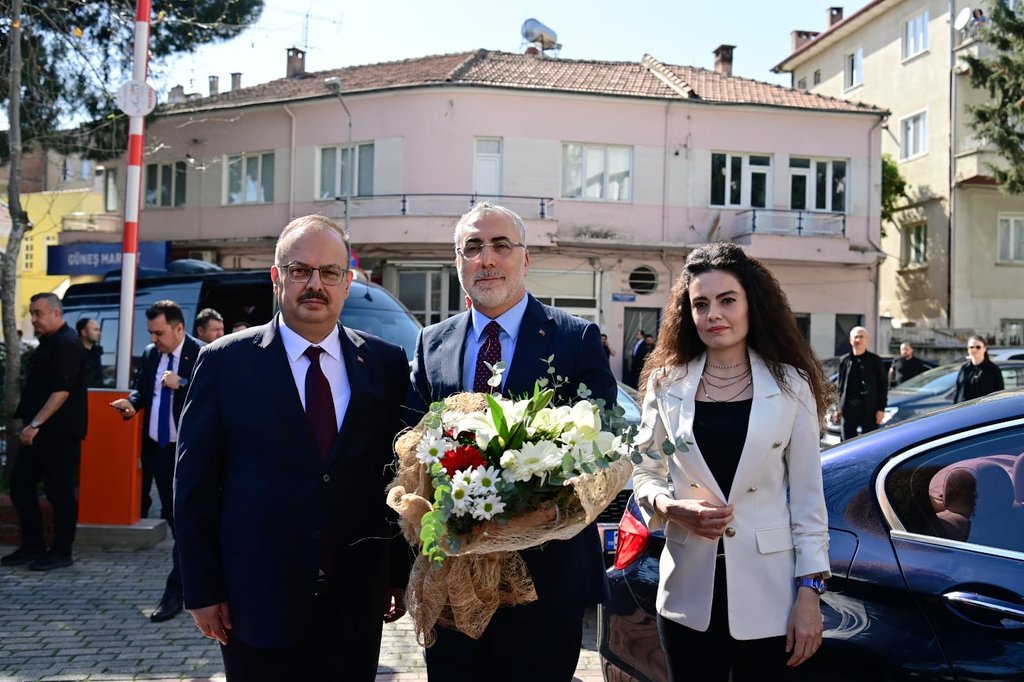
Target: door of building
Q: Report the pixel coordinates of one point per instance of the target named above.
(633, 318)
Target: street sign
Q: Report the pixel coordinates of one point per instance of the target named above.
(136, 99)
(627, 298)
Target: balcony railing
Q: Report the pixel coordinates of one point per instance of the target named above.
(91, 222)
(378, 205)
(799, 223)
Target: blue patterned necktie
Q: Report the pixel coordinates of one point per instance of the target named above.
(163, 418)
(490, 352)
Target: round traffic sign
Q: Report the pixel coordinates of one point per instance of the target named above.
(136, 98)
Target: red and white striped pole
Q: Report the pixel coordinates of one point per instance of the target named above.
(136, 100)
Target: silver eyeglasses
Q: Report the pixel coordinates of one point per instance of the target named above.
(502, 248)
(300, 273)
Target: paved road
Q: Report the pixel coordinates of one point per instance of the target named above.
(89, 622)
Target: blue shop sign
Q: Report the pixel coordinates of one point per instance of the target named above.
(99, 259)
(627, 298)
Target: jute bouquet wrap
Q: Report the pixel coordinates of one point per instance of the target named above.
(486, 571)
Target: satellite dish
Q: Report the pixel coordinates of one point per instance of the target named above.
(963, 17)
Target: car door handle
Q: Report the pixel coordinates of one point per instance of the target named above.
(1005, 608)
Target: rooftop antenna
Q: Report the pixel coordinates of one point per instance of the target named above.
(305, 32)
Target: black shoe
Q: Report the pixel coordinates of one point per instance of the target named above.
(50, 561)
(21, 556)
(168, 608)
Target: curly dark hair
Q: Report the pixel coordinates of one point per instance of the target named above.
(773, 332)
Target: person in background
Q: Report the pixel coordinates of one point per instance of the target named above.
(734, 381)
(906, 366)
(209, 325)
(863, 387)
(54, 408)
(239, 326)
(161, 383)
(607, 349)
(641, 349)
(978, 376)
(89, 334)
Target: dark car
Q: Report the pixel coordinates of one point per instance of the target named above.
(933, 389)
(926, 545)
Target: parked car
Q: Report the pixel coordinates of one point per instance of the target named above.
(238, 295)
(933, 389)
(924, 586)
(1000, 354)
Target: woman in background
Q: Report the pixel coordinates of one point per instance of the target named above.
(734, 384)
(979, 375)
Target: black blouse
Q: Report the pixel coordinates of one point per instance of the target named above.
(720, 430)
(974, 381)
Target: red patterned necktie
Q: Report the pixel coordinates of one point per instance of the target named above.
(490, 352)
(320, 404)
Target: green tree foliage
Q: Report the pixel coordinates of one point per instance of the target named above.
(76, 53)
(894, 189)
(1000, 121)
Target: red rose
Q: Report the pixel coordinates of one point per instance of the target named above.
(462, 457)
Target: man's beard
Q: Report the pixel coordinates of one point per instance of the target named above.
(495, 296)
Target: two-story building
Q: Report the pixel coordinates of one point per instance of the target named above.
(955, 257)
(618, 168)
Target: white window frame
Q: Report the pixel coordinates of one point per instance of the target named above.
(747, 173)
(907, 134)
(1005, 235)
(853, 69)
(243, 157)
(811, 184)
(914, 251)
(355, 150)
(915, 36)
(584, 174)
(176, 200)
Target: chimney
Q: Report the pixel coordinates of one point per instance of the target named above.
(177, 94)
(835, 15)
(801, 38)
(214, 85)
(296, 62)
(532, 51)
(723, 59)
(236, 80)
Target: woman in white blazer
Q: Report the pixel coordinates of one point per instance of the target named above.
(736, 389)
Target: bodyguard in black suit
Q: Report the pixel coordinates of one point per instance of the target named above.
(290, 557)
(539, 641)
(863, 387)
(160, 386)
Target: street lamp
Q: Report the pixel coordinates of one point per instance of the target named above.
(333, 85)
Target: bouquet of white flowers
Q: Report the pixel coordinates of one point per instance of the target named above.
(482, 477)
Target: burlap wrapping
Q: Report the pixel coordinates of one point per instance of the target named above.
(487, 571)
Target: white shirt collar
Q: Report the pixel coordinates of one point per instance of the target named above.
(177, 351)
(295, 346)
(510, 320)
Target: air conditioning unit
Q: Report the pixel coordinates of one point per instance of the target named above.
(208, 255)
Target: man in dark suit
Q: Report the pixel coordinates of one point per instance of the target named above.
(640, 352)
(539, 641)
(863, 387)
(160, 386)
(290, 556)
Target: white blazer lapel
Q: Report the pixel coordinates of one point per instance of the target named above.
(764, 413)
(678, 405)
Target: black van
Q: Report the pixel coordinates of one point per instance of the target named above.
(240, 296)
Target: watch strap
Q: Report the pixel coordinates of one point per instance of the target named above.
(817, 584)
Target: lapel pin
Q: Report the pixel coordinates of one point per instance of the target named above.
(359, 358)
(541, 332)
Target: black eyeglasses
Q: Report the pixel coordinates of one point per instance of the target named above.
(503, 249)
(975, 347)
(300, 273)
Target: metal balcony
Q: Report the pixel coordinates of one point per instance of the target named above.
(380, 205)
(797, 223)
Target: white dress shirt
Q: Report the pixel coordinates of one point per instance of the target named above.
(331, 362)
(510, 321)
(154, 406)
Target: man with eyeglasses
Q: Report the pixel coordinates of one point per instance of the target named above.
(505, 323)
(863, 387)
(161, 383)
(289, 555)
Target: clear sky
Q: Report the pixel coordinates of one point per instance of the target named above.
(349, 32)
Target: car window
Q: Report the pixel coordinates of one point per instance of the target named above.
(1011, 377)
(970, 490)
(628, 404)
(934, 381)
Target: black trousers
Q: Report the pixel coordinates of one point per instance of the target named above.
(709, 656)
(854, 418)
(520, 643)
(158, 465)
(334, 646)
(54, 460)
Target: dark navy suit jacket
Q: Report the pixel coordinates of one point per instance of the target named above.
(145, 379)
(252, 496)
(567, 573)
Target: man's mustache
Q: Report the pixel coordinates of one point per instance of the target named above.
(311, 295)
(487, 274)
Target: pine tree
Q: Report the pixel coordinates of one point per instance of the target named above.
(1000, 121)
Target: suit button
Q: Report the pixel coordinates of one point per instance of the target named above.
(694, 485)
(730, 531)
(752, 489)
(327, 478)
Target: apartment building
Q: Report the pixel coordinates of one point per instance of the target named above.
(619, 169)
(955, 257)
